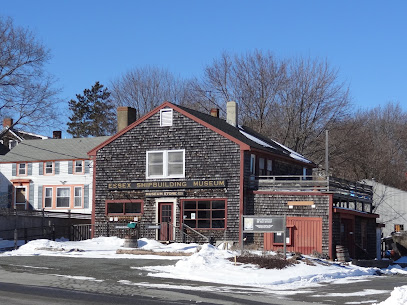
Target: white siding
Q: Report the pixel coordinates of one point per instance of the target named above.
(391, 205)
(61, 179)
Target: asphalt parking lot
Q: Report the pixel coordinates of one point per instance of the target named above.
(65, 280)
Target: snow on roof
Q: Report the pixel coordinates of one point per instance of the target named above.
(293, 154)
(254, 139)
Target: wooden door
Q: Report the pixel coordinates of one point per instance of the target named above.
(165, 219)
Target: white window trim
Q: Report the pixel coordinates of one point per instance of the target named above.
(166, 116)
(165, 164)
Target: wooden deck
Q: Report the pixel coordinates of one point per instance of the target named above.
(346, 194)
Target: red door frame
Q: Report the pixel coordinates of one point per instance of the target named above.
(165, 220)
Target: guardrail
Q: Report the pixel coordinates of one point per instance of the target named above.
(312, 183)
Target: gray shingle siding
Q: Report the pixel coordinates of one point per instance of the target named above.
(208, 155)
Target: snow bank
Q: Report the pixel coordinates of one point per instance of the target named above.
(211, 265)
(397, 297)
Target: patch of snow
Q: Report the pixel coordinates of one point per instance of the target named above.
(78, 277)
(398, 297)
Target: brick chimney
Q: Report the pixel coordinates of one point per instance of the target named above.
(57, 134)
(215, 112)
(125, 116)
(231, 113)
(7, 122)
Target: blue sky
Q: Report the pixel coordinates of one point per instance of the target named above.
(101, 40)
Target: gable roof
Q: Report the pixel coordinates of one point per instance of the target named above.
(52, 149)
(244, 136)
(20, 134)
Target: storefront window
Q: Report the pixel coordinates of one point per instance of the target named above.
(205, 214)
(124, 207)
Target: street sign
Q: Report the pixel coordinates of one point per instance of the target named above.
(263, 224)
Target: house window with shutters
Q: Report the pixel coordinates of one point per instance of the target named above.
(49, 168)
(78, 167)
(65, 197)
(78, 196)
(166, 117)
(48, 197)
(22, 169)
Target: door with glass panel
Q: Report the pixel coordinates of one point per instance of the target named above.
(20, 197)
(165, 217)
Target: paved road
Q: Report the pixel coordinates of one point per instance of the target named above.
(60, 280)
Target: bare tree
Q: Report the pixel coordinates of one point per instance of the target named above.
(253, 80)
(373, 146)
(146, 88)
(291, 101)
(26, 89)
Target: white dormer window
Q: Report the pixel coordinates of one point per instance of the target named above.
(166, 117)
(12, 144)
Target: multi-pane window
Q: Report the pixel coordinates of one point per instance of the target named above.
(22, 169)
(49, 168)
(63, 197)
(166, 164)
(124, 207)
(78, 169)
(48, 197)
(78, 196)
(205, 213)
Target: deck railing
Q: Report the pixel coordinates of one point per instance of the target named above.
(339, 187)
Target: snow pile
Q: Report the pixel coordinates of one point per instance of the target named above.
(153, 245)
(211, 265)
(397, 297)
(98, 247)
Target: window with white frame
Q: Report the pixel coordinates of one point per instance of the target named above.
(48, 197)
(22, 169)
(166, 164)
(78, 196)
(63, 197)
(78, 168)
(166, 117)
(49, 168)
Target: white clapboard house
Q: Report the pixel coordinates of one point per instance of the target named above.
(50, 174)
